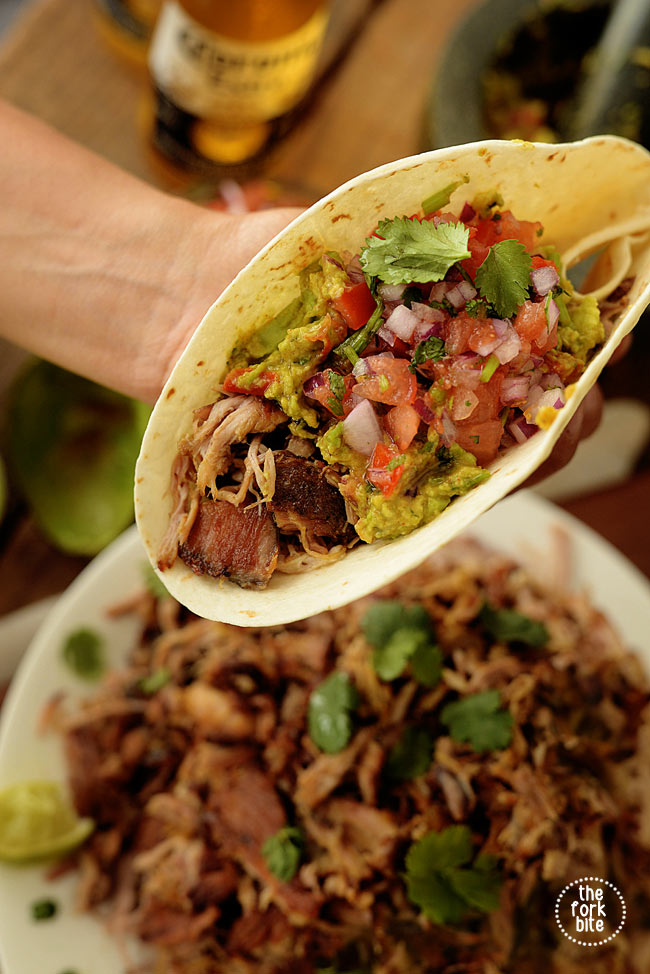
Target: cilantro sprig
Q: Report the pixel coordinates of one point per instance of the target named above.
(479, 720)
(337, 386)
(408, 250)
(401, 635)
(329, 712)
(430, 350)
(503, 278)
(510, 626)
(444, 882)
(355, 343)
(283, 851)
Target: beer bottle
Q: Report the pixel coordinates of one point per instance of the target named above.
(224, 72)
(127, 25)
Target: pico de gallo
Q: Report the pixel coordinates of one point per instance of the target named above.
(401, 372)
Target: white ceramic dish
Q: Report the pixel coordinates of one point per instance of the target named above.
(518, 525)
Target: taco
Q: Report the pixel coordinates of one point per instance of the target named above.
(391, 365)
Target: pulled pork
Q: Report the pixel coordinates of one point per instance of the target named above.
(188, 782)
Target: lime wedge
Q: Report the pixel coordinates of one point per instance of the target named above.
(37, 822)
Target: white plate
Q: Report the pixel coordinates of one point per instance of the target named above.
(518, 525)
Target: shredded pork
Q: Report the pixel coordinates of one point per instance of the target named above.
(188, 783)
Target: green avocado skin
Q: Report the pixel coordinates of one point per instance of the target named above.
(72, 447)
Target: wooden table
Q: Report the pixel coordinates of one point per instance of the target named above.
(367, 112)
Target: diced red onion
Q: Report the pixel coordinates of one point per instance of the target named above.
(431, 315)
(352, 400)
(544, 279)
(425, 330)
(331, 260)
(424, 411)
(355, 270)
(448, 429)
(551, 381)
(509, 346)
(388, 336)
(521, 430)
(465, 402)
(467, 213)
(438, 291)
(361, 429)
(487, 345)
(361, 368)
(552, 314)
(315, 382)
(455, 297)
(500, 325)
(391, 292)
(402, 322)
(467, 290)
(514, 389)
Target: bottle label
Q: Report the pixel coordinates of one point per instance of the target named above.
(218, 78)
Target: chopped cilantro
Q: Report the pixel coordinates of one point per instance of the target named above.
(441, 880)
(491, 365)
(411, 294)
(444, 305)
(408, 250)
(337, 385)
(510, 626)
(430, 350)
(440, 198)
(504, 276)
(475, 439)
(445, 457)
(478, 720)
(478, 308)
(401, 634)
(384, 384)
(44, 909)
(329, 721)
(396, 462)
(83, 651)
(411, 756)
(154, 681)
(282, 853)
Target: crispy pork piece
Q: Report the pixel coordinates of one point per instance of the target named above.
(240, 543)
(305, 499)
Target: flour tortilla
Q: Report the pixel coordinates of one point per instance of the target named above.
(586, 194)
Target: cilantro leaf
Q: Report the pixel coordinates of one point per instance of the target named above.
(411, 294)
(282, 853)
(478, 720)
(426, 664)
(441, 881)
(337, 385)
(401, 634)
(328, 716)
(430, 350)
(409, 250)
(504, 276)
(391, 659)
(84, 652)
(510, 626)
(411, 756)
(385, 616)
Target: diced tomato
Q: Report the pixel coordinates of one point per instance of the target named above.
(531, 322)
(257, 387)
(326, 396)
(390, 381)
(331, 330)
(401, 423)
(482, 333)
(379, 474)
(538, 261)
(355, 305)
(490, 231)
(458, 331)
(480, 438)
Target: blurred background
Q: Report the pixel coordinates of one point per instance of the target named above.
(357, 83)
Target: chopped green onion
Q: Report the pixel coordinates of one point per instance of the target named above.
(490, 367)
